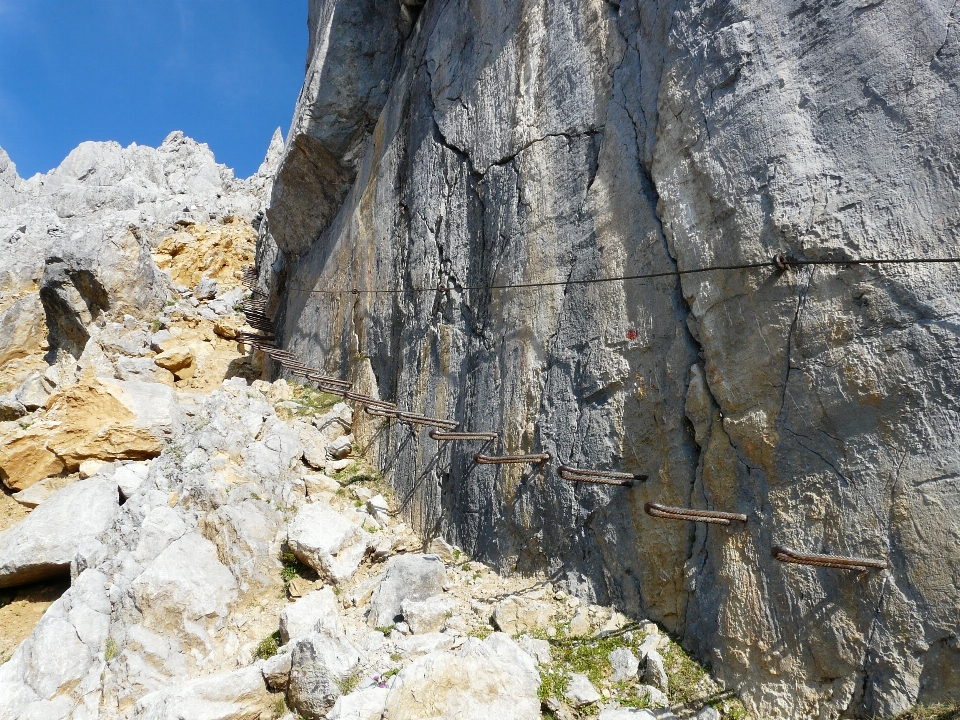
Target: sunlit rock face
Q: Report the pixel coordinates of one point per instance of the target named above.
(466, 145)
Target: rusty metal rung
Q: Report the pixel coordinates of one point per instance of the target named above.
(367, 400)
(320, 379)
(689, 514)
(537, 459)
(595, 480)
(599, 477)
(485, 436)
(378, 411)
(418, 419)
(787, 555)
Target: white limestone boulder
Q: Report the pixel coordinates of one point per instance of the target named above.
(239, 695)
(61, 661)
(425, 616)
(43, 544)
(365, 704)
(313, 612)
(320, 663)
(481, 680)
(186, 591)
(408, 577)
(326, 541)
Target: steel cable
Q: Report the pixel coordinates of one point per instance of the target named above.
(780, 263)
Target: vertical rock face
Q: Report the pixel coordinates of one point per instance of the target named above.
(544, 142)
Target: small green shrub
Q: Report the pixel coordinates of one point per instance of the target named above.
(268, 647)
(111, 650)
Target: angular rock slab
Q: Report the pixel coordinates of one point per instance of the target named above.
(408, 577)
(42, 545)
(240, 695)
(320, 663)
(60, 662)
(186, 589)
(366, 704)
(426, 616)
(515, 614)
(627, 714)
(327, 542)
(482, 680)
(313, 612)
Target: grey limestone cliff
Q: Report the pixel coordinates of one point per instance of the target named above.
(440, 150)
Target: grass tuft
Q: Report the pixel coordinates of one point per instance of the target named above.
(308, 401)
(111, 650)
(940, 711)
(268, 647)
(292, 567)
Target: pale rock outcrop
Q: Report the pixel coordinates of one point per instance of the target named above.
(580, 691)
(626, 714)
(314, 446)
(11, 408)
(186, 590)
(239, 695)
(709, 713)
(43, 490)
(320, 662)
(83, 280)
(245, 534)
(327, 542)
(336, 422)
(22, 328)
(43, 544)
(654, 672)
(160, 527)
(482, 680)
(366, 704)
(515, 614)
(276, 670)
(314, 612)
(142, 368)
(59, 666)
(426, 616)
(539, 650)
(33, 393)
(130, 477)
(625, 665)
(407, 577)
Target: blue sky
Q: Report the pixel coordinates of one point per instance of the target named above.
(226, 72)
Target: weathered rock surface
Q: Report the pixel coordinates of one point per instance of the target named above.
(426, 616)
(327, 542)
(365, 704)
(22, 328)
(239, 695)
(320, 663)
(58, 668)
(580, 691)
(546, 141)
(408, 577)
(43, 544)
(489, 679)
(313, 612)
(516, 614)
